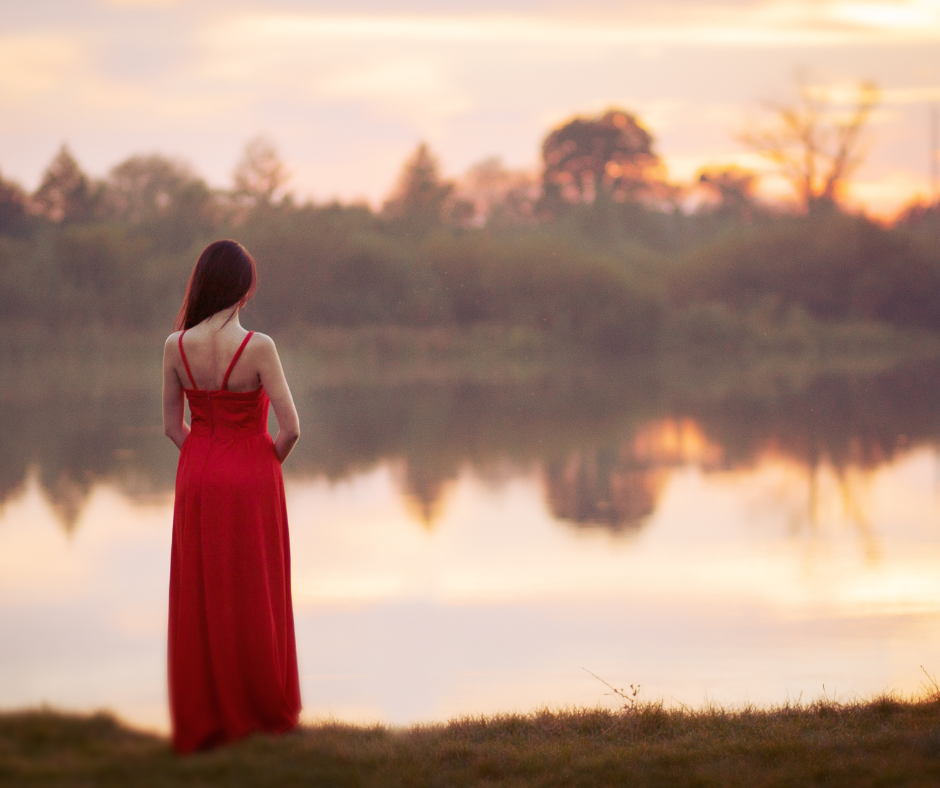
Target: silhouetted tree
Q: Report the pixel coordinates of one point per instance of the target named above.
(13, 205)
(921, 221)
(66, 194)
(732, 189)
(494, 194)
(587, 156)
(163, 196)
(419, 198)
(920, 214)
(813, 146)
(260, 174)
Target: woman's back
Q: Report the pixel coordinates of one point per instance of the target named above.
(209, 348)
(210, 351)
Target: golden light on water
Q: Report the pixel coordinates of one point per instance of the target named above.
(727, 563)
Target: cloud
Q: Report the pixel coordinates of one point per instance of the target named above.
(141, 3)
(36, 64)
(420, 83)
(763, 24)
(338, 90)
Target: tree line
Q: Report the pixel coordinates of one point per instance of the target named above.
(599, 248)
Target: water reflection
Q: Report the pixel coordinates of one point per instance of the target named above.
(618, 485)
(783, 534)
(500, 605)
(602, 440)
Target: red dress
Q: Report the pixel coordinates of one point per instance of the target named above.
(232, 657)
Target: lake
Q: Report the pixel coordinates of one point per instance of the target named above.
(720, 533)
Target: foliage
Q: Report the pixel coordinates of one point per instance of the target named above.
(732, 193)
(588, 157)
(614, 276)
(835, 267)
(14, 204)
(417, 204)
(491, 195)
(162, 198)
(66, 194)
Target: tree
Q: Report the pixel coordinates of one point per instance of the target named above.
(814, 145)
(419, 197)
(260, 175)
(161, 195)
(493, 194)
(66, 194)
(587, 157)
(13, 205)
(732, 189)
(144, 189)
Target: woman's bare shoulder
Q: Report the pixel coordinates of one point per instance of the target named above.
(172, 341)
(257, 336)
(263, 352)
(262, 342)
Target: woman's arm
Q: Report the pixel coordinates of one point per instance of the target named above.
(174, 423)
(275, 384)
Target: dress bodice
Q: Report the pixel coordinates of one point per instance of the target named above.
(228, 414)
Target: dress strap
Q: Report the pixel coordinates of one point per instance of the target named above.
(235, 359)
(185, 362)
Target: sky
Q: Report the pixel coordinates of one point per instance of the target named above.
(346, 91)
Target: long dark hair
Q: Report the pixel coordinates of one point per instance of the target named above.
(224, 276)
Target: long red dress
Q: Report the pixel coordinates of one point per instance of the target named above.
(232, 656)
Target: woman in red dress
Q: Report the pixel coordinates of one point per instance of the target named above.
(232, 657)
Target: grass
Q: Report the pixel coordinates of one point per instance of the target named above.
(884, 741)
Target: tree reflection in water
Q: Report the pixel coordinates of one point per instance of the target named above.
(604, 441)
(618, 485)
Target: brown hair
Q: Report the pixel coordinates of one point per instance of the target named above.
(224, 276)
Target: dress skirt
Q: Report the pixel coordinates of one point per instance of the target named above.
(232, 654)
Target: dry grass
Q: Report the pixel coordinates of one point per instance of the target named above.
(885, 741)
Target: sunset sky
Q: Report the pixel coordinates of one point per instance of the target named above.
(346, 91)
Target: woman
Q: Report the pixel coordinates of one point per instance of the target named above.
(232, 658)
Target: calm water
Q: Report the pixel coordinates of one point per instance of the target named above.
(465, 548)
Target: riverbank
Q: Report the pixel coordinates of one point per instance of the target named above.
(710, 347)
(884, 741)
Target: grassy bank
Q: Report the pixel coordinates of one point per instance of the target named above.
(885, 741)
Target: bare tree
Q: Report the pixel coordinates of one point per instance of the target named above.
(489, 192)
(816, 144)
(260, 174)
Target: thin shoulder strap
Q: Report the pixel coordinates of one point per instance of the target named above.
(185, 362)
(235, 359)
